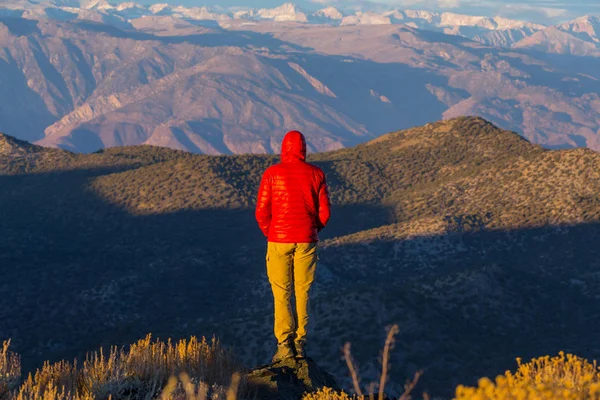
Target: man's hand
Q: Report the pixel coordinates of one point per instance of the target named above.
(263, 204)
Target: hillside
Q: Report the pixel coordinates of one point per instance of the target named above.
(473, 240)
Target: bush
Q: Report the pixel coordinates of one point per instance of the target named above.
(139, 373)
(328, 394)
(564, 377)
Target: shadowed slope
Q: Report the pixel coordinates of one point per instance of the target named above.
(464, 234)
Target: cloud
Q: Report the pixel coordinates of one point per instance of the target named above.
(448, 3)
(520, 9)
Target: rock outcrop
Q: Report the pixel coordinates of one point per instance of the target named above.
(288, 380)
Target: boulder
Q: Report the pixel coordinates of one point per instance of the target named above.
(288, 380)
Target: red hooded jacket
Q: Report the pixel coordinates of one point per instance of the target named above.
(293, 199)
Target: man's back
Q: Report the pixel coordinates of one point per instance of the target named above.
(292, 207)
(293, 200)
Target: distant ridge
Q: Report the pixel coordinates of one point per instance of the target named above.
(579, 37)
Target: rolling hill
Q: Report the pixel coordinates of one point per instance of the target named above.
(480, 245)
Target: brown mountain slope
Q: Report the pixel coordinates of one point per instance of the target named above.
(550, 101)
(580, 37)
(84, 86)
(464, 234)
(504, 37)
(555, 40)
(586, 27)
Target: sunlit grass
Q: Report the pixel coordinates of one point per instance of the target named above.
(10, 369)
(140, 372)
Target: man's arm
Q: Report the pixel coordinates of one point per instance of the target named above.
(263, 204)
(324, 204)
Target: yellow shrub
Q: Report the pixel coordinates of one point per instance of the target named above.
(328, 394)
(565, 377)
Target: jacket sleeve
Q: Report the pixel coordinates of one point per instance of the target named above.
(263, 204)
(324, 204)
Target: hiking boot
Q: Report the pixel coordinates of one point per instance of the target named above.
(300, 353)
(284, 352)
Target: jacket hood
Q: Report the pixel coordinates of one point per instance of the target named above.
(293, 147)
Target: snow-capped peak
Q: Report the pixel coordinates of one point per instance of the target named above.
(200, 13)
(588, 19)
(127, 6)
(285, 12)
(395, 15)
(490, 23)
(96, 5)
(582, 22)
(366, 18)
(420, 14)
(76, 4)
(330, 13)
(156, 8)
(505, 23)
(586, 26)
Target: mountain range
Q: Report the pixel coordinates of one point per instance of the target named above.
(475, 241)
(85, 75)
(497, 31)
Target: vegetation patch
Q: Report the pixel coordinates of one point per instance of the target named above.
(565, 377)
(140, 372)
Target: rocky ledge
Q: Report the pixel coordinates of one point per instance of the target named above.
(288, 380)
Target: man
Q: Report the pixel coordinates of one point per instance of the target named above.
(292, 207)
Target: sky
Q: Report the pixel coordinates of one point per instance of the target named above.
(540, 11)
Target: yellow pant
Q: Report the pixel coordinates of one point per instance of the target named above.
(291, 269)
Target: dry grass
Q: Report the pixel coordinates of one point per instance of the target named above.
(186, 388)
(565, 377)
(329, 394)
(10, 370)
(186, 370)
(202, 370)
(140, 372)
